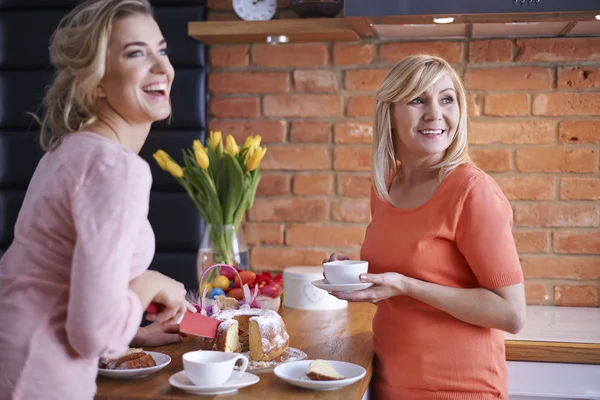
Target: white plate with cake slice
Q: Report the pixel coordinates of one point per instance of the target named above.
(332, 374)
(290, 354)
(162, 360)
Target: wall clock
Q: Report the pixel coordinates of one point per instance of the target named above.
(255, 10)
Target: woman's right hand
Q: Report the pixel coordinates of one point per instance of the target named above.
(336, 257)
(152, 286)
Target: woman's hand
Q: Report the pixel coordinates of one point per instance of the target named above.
(157, 334)
(155, 287)
(336, 257)
(385, 285)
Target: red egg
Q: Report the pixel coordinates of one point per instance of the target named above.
(247, 278)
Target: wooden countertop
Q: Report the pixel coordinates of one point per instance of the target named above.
(343, 335)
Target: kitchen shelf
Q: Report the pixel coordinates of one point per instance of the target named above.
(297, 30)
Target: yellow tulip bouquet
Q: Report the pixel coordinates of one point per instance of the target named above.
(221, 180)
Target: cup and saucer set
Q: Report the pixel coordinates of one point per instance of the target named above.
(343, 276)
(208, 372)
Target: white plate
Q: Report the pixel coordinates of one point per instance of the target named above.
(181, 381)
(341, 287)
(295, 373)
(162, 360)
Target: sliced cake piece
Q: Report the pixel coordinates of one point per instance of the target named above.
(320, 370)
(228, 337)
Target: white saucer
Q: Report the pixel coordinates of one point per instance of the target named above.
(181, 381)
(340, 287)
(295, 373)
(162, 360)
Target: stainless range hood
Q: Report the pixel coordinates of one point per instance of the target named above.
(414, 19)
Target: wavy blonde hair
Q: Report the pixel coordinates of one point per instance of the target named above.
(406, 80)
(78, 50)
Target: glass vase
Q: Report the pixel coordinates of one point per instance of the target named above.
(222, 244)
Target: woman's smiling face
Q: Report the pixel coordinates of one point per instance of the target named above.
(425, 125)
(139, 75)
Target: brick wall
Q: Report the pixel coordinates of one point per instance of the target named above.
(534, 108)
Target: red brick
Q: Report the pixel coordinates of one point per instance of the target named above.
(296, 158)
(557, 215)
(491, 160)
(324, 235)
(474, 104)
(273, 185)
(531, 241)
(353, 133)
(351, 210)
(290, 55)
(302, 105)
(360, 106)
(536, 293)
(514, 78)
(229, 56)
(527, 187)
(352, 159)
(249, 82)
(577, 243)
(578, 78)
(579, 188)
(579, 132)
(364, 79)
(576, 295)
(506, 104)
(315, 81)
(556, 159)
(449, 51)
(260, 233)
(352, 54)
(288, 210)
(243, 107)
(354, 185)
(497, 50)
(277, 258)
(311, 184)
(558, 49)
(512, 132)
(310, 132)
(560, 267)
(560, 104)
(269, 130)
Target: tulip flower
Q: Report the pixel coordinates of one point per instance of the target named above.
(174, 169)
(231, 146)
(215, 139)
(200, 155)
(160, 156)
(256, 155)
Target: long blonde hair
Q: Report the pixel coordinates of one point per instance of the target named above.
(78, 51)
(406, 80)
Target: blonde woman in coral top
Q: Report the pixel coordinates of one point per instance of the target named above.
(74, 282)
(446, 274)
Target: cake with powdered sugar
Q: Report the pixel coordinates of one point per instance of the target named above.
(260, 331)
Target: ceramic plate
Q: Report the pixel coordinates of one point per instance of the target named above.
(162, 360)
(340, 287)
(181, 381)
(295, 373)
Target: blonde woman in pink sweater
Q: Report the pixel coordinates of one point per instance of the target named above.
(74, 283)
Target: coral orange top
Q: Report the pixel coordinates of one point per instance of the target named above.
(461, 237)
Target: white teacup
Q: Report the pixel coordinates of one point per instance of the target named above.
(345, 271)
(212, 368)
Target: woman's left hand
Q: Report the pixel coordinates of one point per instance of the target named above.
(387, 284)
(157, 334)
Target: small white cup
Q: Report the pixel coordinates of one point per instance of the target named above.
(345, 271)
(212, 368)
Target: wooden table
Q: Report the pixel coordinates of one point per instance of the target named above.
(343, 335)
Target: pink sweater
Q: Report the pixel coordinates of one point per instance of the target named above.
(82, 234)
